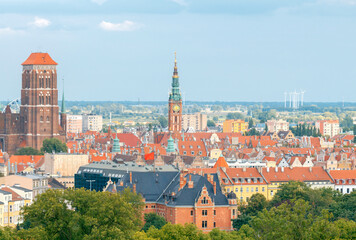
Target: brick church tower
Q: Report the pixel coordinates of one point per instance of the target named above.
(39, 111)
(175, 104)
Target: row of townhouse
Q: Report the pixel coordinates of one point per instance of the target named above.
(244, 182)
(12, 200)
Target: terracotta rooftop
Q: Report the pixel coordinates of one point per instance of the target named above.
(39, 59)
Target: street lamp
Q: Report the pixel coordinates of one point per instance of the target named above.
(90, 181)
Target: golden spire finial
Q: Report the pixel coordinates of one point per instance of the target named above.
(175, 57)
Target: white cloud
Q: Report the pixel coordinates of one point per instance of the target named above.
(181, 2)
(8, 31)
(344, 2)
(124, 26)
(99, 2)
(40, 22)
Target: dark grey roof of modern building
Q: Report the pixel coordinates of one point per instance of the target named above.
(112, 167)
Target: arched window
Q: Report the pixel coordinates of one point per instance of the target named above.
(47, 119)
(41, 118)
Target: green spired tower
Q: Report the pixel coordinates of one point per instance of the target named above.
(175, 103)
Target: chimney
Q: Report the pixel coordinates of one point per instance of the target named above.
(130, 177)
(214, 186)
(190, 182)
(244, 169)
(134, 188)
(282, 169)
(181, 181)
(276, 169)
(310, 169)
(267, 169)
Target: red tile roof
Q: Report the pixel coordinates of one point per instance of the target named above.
(15, 196)
(296, 174)
(221, 163)
(343, 174)
(39, 59)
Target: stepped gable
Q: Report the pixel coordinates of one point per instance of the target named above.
(187, 196)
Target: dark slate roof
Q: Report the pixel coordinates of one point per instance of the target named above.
(188, 196)
(22, 189)
(149, 184)
(54, 184)
(4, 192)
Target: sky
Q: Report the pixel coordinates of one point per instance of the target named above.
(227, 50)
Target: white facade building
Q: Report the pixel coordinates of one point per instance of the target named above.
(92, 123)
(277, 125)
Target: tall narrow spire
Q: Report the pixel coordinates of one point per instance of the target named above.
(175, 72)
(63, 108)
(175, 93)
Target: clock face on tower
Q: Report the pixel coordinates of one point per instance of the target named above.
(176, 108)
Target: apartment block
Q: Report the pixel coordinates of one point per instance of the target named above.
(235, 126)
(92, 123)
(74, 123)
(197, 121)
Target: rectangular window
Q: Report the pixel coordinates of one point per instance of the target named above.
(256, 189)
(10, 208)
(271, 192)
(263, 189)
(251, 189)
(236, 189)
(204, 212)
(204, 224)
(191, 213)
(214, 212)
(214, 224)
(247, 189)
(204, 200)
(241, 190)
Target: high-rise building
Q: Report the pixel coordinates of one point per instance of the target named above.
(197, 121)
(74, 123)
(38, 118)
(92, 122)
(328, 127)
(175, 104)
(235, 126)
(277, 125)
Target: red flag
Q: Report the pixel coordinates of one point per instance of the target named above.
(150, 156)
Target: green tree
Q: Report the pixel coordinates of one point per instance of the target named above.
(253, 132)
(153, 219)
(163, 121)
(344, 206)
(255, 204)
(53, 145)
(211, 123)
(235, 115)
(347, 123)
(84, 214)
(250, 123)
(177, 232)
(28, 151)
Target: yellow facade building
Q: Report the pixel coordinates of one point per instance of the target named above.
(235, 126)
(244, 182)
(11, 205)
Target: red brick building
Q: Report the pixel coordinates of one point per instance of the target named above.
(38, 118)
